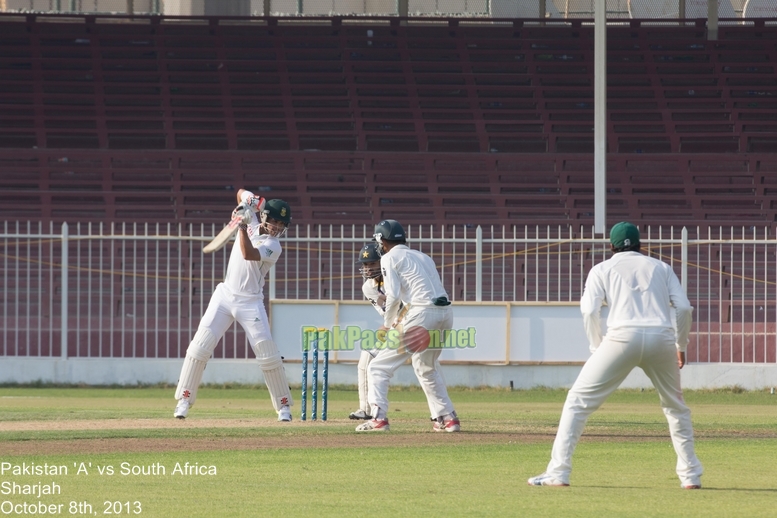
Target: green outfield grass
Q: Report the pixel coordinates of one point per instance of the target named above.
(623, 467)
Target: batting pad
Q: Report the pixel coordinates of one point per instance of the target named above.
(189, 382)
(271, 363)
(197, 356)
(202, 345)
(363, 380)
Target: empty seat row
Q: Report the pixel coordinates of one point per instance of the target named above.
(382, 87)
(360, 188)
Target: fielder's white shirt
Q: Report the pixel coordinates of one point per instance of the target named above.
(373, 291)
(639, 292)
(411, 276)
(247, 277)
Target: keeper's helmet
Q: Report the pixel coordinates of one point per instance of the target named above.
(276, 217)
(389, 230)
(370, 261)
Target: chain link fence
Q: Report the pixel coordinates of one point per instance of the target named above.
(638, 9)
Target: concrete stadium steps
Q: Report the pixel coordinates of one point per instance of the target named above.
(406, 121)
(199, 188)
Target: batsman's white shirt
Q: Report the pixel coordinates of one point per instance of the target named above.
(247, 277)
(411, 276)
(639, 291)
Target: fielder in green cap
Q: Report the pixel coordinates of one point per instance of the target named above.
(624, 236)
(647, 327)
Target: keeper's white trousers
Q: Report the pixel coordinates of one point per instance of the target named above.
(363, 380)
(425, 364)
(654, 351)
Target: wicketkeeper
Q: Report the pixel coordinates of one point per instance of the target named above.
(240, 298)
(374, 292)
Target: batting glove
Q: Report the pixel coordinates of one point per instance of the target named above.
(243, 212)
(256, 203)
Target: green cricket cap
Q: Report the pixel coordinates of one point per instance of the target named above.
(624, 235)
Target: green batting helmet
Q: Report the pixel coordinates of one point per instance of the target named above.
(278, 210)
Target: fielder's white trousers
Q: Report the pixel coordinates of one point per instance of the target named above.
(425, 364)
(654, 351)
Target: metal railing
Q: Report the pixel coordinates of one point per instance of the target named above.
(97, 291)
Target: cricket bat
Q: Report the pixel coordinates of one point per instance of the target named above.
(401, 315)
(224, 236)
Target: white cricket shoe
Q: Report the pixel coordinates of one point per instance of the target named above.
(359, 415)
(284, 414)
(182, 408)
(374, 425)
(451, 425)
(545, 480)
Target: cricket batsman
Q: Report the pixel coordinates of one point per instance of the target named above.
(240, 298)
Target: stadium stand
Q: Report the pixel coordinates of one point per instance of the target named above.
(159, 120)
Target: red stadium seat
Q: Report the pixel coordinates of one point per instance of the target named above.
(157, 121)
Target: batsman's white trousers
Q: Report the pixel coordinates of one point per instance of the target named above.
(654, 351)
(226, 307)
(425, 364)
